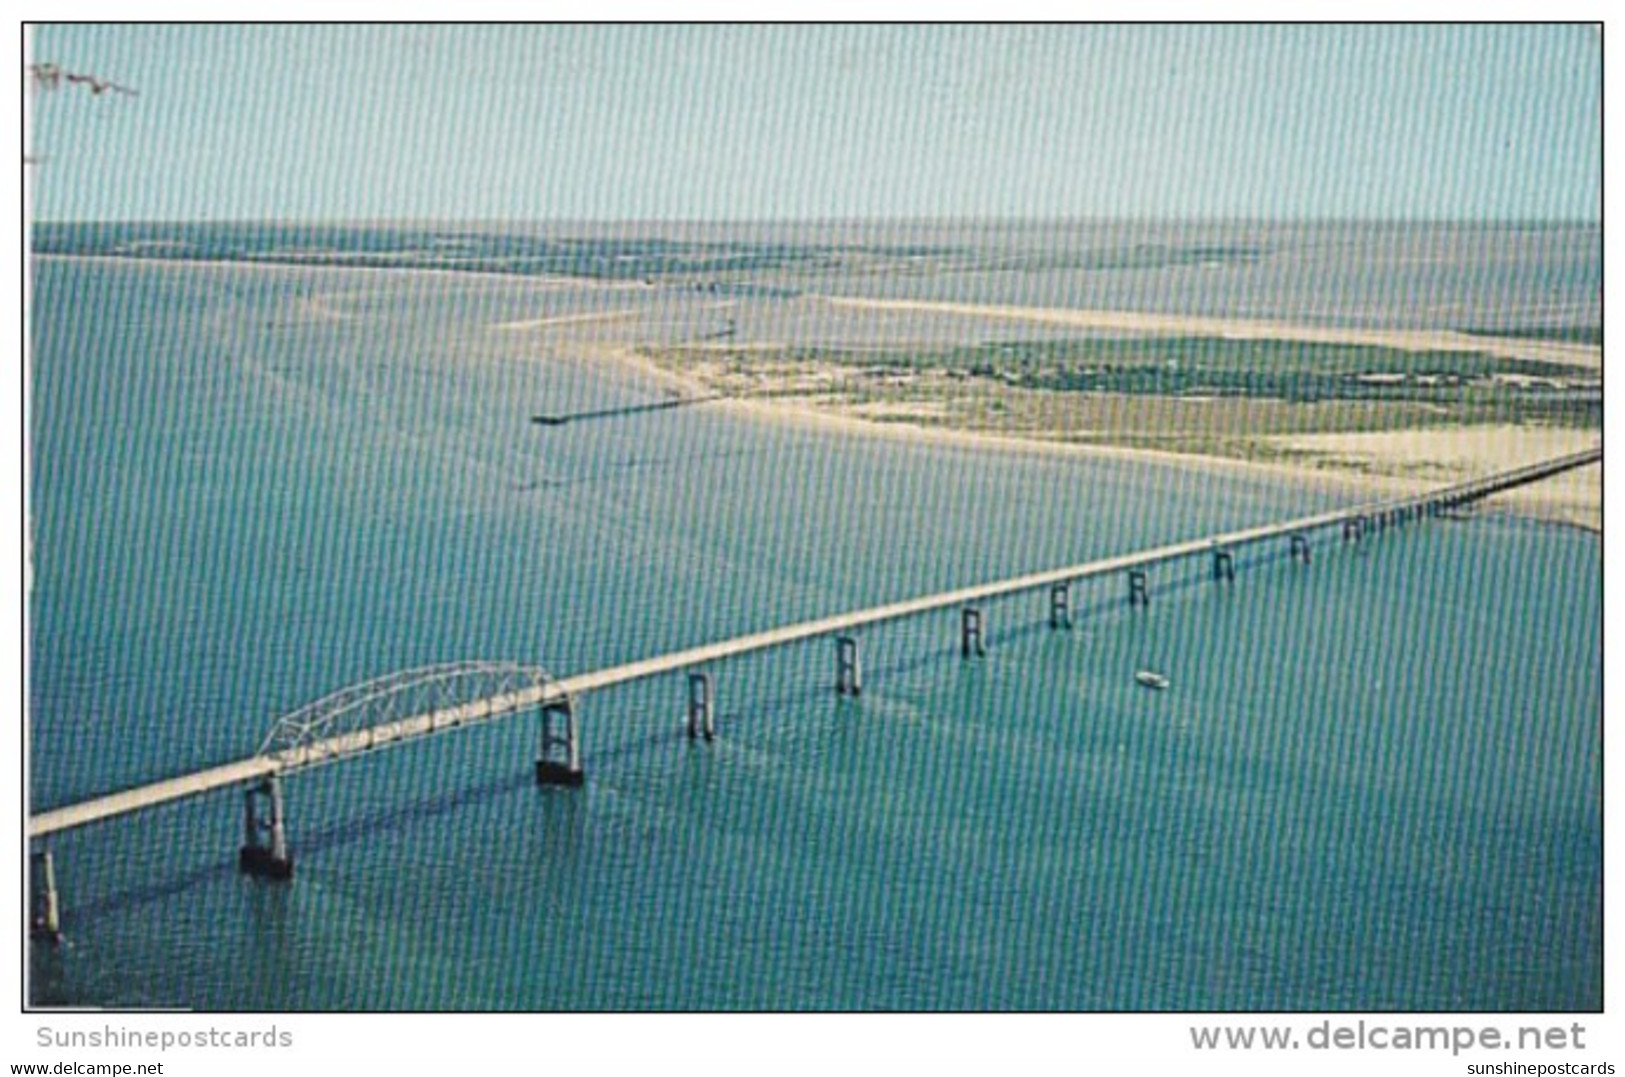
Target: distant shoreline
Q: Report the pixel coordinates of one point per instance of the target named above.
(1583, 356)
(539, 280)
(1377, 463)
(1574, 499)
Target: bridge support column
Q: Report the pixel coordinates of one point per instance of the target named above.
(1299, 549)
(45, 918)
(970, 632)
(1353, 528)
(1060, 606)
(1139, 594)
(558, 721)
(265, 838)
(700, 719)
(848, 667)
(1224, 566)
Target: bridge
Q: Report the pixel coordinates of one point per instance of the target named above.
(403, 707)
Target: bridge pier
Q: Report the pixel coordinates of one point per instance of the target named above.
(45, 918)
(1353, 529)
(1060, 606)
(700, 718)
(265, 838)
(848, 667)
(558, 730)
(970, 632)
(1224, 566)
(1138, 593)
(1298, 549)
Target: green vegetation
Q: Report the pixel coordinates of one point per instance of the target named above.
(1202, 395)
(1567, 334)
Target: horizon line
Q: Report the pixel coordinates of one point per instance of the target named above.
(911, 219)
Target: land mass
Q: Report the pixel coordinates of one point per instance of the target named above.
(1392, 410)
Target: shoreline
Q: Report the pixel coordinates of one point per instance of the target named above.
(1385, 464)
(1581, 356)
(1586, 357)
(1574, 507)
(538, 280)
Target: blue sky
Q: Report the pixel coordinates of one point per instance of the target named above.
(708, 122)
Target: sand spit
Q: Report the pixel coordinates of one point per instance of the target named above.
(1378, 465)
(1387, 470)
(1432, 457)
(1582, 356)
(535, 281)
(567, 319)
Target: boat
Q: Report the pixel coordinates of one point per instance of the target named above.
(1151, 679)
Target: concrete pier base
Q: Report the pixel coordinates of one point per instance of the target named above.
(558, 753)
(1224, 566)
(848, 667)
(1060, 606)
(701, 721)
(1139, 592)
(970, 632)
(1298, 549)
(265, 840)
(45, 918)
(551, 772)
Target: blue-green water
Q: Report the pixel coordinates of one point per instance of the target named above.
(1374, 784)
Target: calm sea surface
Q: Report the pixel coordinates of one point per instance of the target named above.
(1374, 784)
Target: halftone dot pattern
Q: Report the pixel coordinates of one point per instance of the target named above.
(641, 123)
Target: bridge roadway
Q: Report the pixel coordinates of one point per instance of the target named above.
(258, 767)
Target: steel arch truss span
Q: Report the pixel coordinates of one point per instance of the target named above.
(403, 706)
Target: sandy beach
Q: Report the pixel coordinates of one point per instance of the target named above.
(565, 319)
(337, 268)
(1585, 357)
(1436, 457)
(1386, 461)
(1380, 464)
